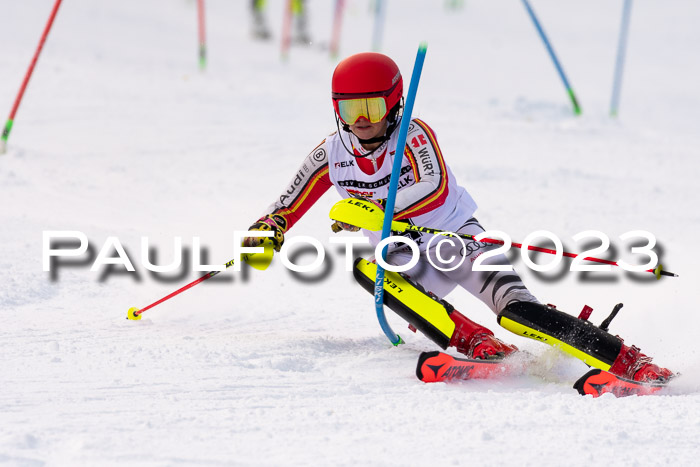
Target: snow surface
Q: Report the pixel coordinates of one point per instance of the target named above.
(120, 135)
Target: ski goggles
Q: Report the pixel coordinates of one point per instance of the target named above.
(350, 110)
(373, 106)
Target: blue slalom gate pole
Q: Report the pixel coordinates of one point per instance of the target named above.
(572, 96)
(393, 187)
(620, 62)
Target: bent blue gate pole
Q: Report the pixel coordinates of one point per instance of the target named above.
(572, 96)
(620, 62)
(393, 187)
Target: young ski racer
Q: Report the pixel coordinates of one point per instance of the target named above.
(357, 160)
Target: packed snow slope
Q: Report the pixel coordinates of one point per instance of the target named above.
(121, 135)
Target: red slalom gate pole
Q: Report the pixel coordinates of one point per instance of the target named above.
(287, 30)
(18, 99)
(202, 35)
(337, 23)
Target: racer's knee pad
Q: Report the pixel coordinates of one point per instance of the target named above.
(577, 337)
(424, 311)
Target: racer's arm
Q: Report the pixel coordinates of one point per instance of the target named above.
(429, 170)
(309, 183)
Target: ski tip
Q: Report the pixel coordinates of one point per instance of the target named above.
(580, 384)
(598, 382)
(438, 366)
(131, 314)
(422, 358)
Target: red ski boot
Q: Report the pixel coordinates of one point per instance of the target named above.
(476, 341)
(632, 364)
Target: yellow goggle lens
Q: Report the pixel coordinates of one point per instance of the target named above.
(372, 108)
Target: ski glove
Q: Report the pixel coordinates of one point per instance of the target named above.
(337, 226)
(273, 223)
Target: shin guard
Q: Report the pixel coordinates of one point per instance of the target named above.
(425, 312)
(574, 336)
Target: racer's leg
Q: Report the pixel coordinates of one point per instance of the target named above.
(434, 317)
(520, 312)
(455, 258)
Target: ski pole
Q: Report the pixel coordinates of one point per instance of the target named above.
(393, 187)
(135, 313)
(569, 90)
(18, 99)
(620, 62)
(259, 261)
(367, 216)
(202, 35)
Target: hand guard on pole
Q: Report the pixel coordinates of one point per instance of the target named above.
(337, 226)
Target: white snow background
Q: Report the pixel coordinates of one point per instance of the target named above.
(120, 135)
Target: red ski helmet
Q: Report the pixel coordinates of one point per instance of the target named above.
(366, 85)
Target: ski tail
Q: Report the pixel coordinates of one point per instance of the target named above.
(438, 366)
(598, 382)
